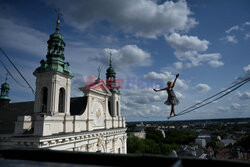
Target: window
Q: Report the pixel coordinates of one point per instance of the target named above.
(44, 99)
(61, 103)
(117, 108)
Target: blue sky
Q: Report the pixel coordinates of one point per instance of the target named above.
(206, 41)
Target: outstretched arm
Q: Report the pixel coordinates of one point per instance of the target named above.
(160, 89)
(175, 80)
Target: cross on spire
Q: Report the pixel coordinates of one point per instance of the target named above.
(59, 14)
(6, 77)
(99, 71)
(110, 59)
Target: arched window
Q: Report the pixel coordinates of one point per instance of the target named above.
(61, 104)
(44, 99)
(117, 108)
(109, 107)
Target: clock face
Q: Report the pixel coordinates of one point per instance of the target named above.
(98, 115)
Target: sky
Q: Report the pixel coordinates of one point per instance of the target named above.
(205, 41)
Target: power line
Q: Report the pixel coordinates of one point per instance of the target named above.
(6, 69)
(18, 71)
(192, 108)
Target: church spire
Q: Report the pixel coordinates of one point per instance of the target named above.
(111, 77)
(55, 53)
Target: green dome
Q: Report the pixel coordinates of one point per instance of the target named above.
(111, 71)
(56, 35)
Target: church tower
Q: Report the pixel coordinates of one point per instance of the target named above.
(4, 96)
(114, 101)
(53, 78)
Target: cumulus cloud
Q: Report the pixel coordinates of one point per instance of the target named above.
(246, 74)
(155, 108)
(145, 102)
(247, 36)
(223, 109)
(141, 17)
(178, 65)
(234, 28)
(185, 43)
(231, 33)
(128, 55)
(187, 50)
(137, 102)
(230, 38)
(202, 88)
(237, 106)
(166, 76)
(247, 23)
(23, 38)
(243, 96)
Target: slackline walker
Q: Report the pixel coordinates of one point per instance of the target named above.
(172, 100)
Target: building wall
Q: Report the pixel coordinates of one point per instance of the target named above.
(107, 141)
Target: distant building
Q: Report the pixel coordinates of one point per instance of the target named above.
(190, 151)
(201, 142)
(141, 134)
(205, 137)
(226, 142)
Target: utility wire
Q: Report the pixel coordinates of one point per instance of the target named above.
(18, 71)
(228, 89)
(11, 74)
(192, 108)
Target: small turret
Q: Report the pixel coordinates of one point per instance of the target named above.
(55, 54)
(111, 77)
(4, 96)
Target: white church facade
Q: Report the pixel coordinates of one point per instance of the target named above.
(91, 123)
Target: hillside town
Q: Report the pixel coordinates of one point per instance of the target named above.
(226, 139)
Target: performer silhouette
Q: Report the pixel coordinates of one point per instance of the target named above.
(172, 99)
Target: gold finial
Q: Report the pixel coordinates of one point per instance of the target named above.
(58, 16)
(99, 71)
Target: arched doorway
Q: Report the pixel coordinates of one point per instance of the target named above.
(61, 104)
(44, 99)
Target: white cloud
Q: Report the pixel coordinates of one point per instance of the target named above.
(223, 109)
(215, 63)
(238, 107)
(246, 74)
(243, 96)
(247, 36)
(128, 55)
(202, 88)
(247, 23)
(178, 65)
(187, 50)
(186, 43)
(166, 76)
(234, 28)
(23, 38)
(155, 108)
(247, 69)
(230, 38)
(141, 17)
